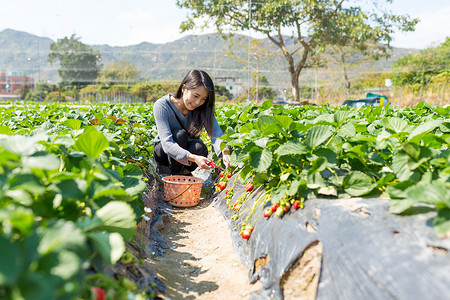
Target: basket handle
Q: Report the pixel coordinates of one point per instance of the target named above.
(181, 193)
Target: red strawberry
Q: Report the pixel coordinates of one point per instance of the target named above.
(267, 212)
(99, 293)
(296, 204)
(287, 207)
(227, 191)
(228, 175)
(245, 234)
(221, 185)
(221, 175)
(249, 187)
(212, 165)
(274, 207)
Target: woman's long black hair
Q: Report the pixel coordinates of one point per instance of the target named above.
(203, 115)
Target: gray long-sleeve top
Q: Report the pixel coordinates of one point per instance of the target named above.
(166, 123)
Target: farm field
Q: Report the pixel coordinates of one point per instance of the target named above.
(80, 196)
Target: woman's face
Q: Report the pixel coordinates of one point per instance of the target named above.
(194, 98)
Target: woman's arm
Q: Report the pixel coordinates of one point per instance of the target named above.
(165, 124)
(201, 161)
(216, 140)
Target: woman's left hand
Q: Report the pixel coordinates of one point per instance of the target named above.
(226, 159)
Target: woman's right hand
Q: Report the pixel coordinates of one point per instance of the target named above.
(201, 161)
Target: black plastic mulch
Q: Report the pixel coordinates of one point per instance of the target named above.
(368, 253)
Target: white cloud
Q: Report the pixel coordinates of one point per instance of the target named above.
(432, 29)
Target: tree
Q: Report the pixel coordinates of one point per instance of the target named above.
(259, 52)
(79, 64)
(122, 72)
(352, 34)
(419, 68)
(311, 22)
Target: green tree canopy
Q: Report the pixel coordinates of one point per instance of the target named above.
(79, 64)
(421, 67)
(352, 38)
(122, 72)
(312, 24)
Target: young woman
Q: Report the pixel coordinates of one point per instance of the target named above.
(180, 118)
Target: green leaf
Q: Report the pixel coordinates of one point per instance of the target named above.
(92, 143)
(279, 193)
(260, 160)
(400, 166)
(315, 180)
(20, 144)
(441, 222)
(62, 235)
(73, 124)
(291, 148)
(330, 155)
(68, 265)
(399, 190)
(347, 130)
(425, 127)
(318, 165)
(272, 129)
(35, 286)
(357, 183)
(133, 170)
(99, 190)
(412, 150)
(27, 182)
(23, 220)
(397, 125)
(266, 104)
(133, 186)
(432, 193)
(284, 121)
(5, 130)
(246, 128)
(65, 140)
(398, 206)
(118, 217)
(71, 189)
(9, 262)
(268, 125)
(318, 135)
(44, 161)
(20, 196)
(262, 142)
(110, 246)
(342, 115)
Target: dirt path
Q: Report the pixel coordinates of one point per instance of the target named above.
(201, 262)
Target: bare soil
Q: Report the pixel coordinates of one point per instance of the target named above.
(201, 262)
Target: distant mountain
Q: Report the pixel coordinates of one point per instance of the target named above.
(21, 51)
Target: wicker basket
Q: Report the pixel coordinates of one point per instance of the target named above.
(182, 191)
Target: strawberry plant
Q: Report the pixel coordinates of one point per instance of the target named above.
(70, 200)
(299, 153)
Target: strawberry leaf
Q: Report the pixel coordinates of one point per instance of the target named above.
(357, 183)
(318, 135)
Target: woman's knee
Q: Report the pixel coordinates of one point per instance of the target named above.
(181, 138)
(198, 148)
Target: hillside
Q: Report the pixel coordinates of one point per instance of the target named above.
(21, 51)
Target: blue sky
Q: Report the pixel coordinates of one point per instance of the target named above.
(122, 23)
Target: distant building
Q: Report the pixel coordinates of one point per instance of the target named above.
(233, 84)
(12, 82)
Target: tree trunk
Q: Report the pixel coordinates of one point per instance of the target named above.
(295, 87)
(294, 69)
